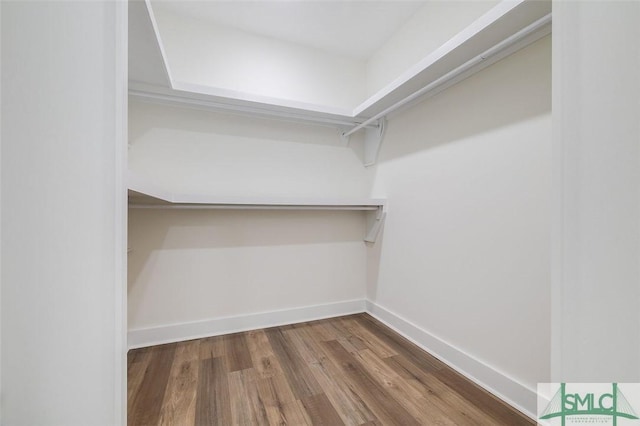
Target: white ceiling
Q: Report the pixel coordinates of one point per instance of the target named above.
(352, 28)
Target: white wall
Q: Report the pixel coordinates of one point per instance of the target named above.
(190, 266)
(62, 83)
(466, 248)
(429, 28)
(0, 216)
(233, 60)
(596, 274)
(185, 150)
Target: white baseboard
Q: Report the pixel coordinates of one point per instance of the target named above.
(143, 337)
(501, 385)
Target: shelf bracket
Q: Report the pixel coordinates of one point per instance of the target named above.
(372, 141)
(375, 220)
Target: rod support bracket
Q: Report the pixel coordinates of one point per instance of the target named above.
(344, 137)
(375, 220)
(373, 140)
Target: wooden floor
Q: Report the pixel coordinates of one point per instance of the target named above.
(348, 370)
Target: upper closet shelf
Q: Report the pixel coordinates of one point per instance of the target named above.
(145, 195)
(505, 28)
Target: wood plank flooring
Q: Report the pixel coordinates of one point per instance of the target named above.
(342, 371)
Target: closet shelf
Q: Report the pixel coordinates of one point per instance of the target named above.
(146, 195)
(506, 28)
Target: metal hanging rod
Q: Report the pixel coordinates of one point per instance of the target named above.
(456, 72)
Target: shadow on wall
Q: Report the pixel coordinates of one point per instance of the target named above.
(511, 91)
(164, 229)
(374, 251)
(498, 96)
(145, 117)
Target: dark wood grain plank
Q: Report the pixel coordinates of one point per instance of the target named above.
(274, 390)
(386, 409)
(237, 352)
(351, 342)
(321, 411)
(345, 400)
(439, 394)
(138, 361)
(136, 355)
(147, 403)
(324, 330)
(369, 338)
(213, 403)
(281, 406)
(246, 406)
(501, 413)
(290, 413)
(419, 407)
(179, 404)
(212, 347)
(300, 339)
(264, 360)
(300, 378)
(399, 344)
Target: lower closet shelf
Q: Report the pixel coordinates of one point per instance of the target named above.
(145, 195)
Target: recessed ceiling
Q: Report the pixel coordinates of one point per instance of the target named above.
(351, 28)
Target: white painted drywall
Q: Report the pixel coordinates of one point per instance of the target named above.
(225, 58)
(62, 76)
(465, 253)
(199, 265)
(191, 266)
(185, 150)
(429, 28)
(0, 216)
(596, 239)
